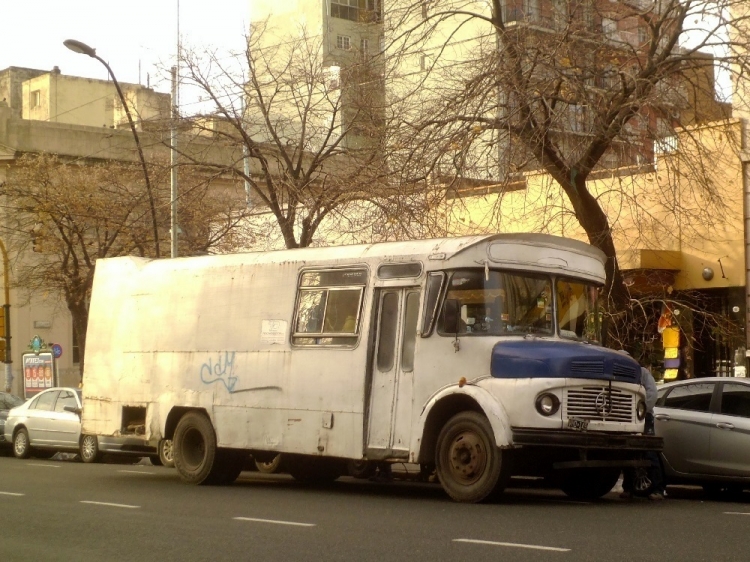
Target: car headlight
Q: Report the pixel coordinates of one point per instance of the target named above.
(547, 404)
(640, 410)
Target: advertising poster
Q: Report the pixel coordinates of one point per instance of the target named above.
(38, 373)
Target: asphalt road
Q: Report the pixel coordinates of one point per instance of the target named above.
(61, 510)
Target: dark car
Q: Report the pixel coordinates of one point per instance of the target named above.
(705, 424)
(7, 401)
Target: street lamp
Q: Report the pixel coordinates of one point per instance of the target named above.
(82, 48)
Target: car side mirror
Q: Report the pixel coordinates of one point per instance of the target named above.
(74, 409)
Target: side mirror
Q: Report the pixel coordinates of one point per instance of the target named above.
(74, 409)
(450, 316)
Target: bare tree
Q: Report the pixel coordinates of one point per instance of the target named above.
(578, 89)
(65, 216)
(302, 130)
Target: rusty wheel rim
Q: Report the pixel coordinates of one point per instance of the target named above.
(467, 458)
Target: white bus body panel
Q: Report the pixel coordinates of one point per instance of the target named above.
(214, 333)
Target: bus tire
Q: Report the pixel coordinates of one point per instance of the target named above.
(195, 450)
(468, 462)
(361, 468)
(229, 465)
(270, 467)
(590, 484)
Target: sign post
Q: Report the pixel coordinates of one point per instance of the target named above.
(39, 369)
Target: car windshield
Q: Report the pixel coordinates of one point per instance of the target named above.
(498, 303)
(577, 303)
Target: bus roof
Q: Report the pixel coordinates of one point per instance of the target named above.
(436, 250)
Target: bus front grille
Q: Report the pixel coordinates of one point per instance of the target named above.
(599, 403)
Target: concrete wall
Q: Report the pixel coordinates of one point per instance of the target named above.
(57, 98)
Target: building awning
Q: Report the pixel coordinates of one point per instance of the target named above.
(656, 274)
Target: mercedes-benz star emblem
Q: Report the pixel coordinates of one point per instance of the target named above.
(603, 404)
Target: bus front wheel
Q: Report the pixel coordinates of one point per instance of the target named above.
(468, 462)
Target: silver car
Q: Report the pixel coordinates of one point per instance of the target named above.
(51, 422)
(7, 402)
(705, 424)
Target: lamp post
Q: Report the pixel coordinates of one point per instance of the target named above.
(82, 48)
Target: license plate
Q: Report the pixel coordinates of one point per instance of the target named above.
(578, 424)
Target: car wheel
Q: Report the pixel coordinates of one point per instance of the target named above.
(166, 452)
(271, 467)
(21, 445)
(90, 449)
(155, 460)
(195, 450)
(468, 462)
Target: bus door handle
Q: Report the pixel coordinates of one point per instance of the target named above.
(662, 417)
(722, 425)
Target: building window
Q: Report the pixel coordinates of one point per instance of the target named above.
(666, 145)
(609, 27)
(343, 42)
(365, 11)
(333, 77)
(643, 35)
(364, 46)
(35, 99)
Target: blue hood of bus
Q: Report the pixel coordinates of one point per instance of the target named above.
(561, 359)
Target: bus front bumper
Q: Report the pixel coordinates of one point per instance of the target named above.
(590, 449)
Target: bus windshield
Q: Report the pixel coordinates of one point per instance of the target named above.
(499, 303)
(577, 302)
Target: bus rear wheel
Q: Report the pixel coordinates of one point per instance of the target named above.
(195, 450)
(468, 462)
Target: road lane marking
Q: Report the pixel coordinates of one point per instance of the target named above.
(736, 513)
(275, 522)
(44, 465)
(112, 504)
(136, 471)
(11, 494)
(514, 544)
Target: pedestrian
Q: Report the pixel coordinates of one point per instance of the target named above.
(654, 474)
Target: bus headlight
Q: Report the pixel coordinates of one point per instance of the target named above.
(640, 410)
(547, 404)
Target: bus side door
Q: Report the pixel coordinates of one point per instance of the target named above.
(392, 377)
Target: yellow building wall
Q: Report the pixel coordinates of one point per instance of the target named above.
(665, 219)
(88, 102)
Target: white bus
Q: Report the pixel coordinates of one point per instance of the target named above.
(477, 356)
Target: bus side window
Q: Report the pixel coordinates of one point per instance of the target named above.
(432, 293)
(329, 304)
